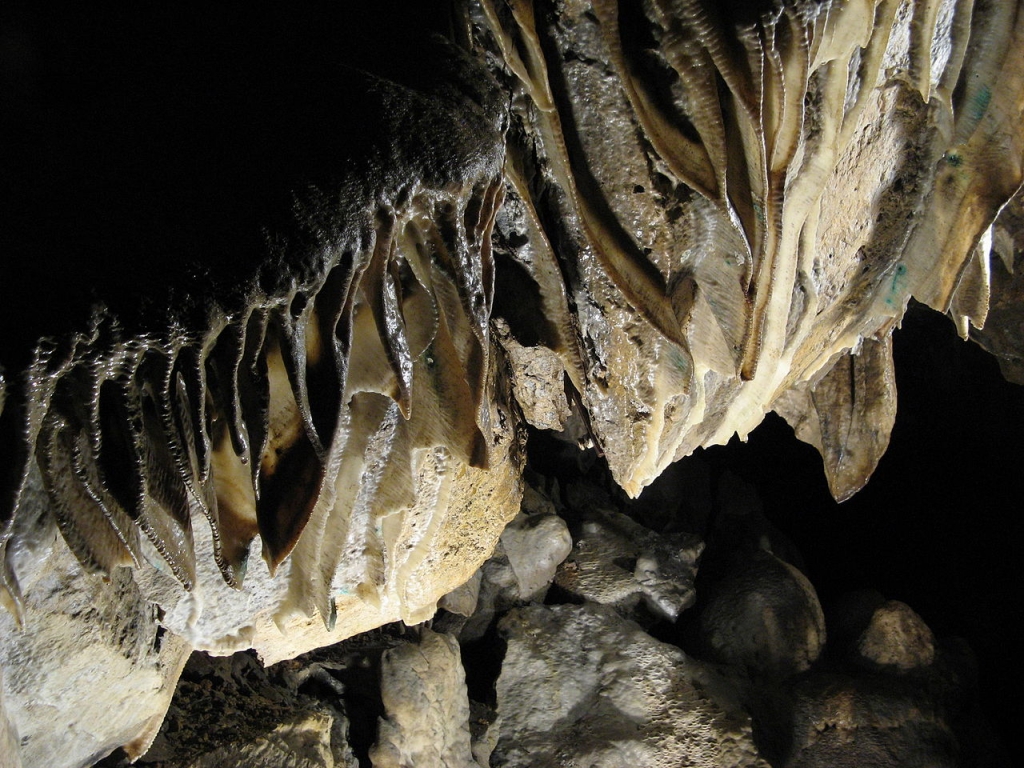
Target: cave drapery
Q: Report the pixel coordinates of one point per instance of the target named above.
(292, 287)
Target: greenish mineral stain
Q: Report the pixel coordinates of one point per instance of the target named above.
(897, 285)
(759, 212)
(980, 102)
(679, 361)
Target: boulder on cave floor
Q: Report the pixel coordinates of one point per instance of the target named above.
(582, 686)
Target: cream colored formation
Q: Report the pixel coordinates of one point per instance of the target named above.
(746, 201)
(719, 217)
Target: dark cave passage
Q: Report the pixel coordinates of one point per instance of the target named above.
(938, 526)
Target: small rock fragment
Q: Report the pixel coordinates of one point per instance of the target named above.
(463, 600)
(618, 562)
(537, 381)
(523, 564)
(534, 546)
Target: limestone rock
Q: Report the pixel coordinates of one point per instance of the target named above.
(424, 690)
(734, 201)
(897, 638)
(440, 540)
(10, 756)
(842, 722)
(484, 727)
(537, 381)
(534, 546)
(304, 742)
(1002, 333)
(581, 686)
(764, 617)
(616, 561)
(848, 415)
(705, 211)
(463, 600)
(91, 669)
(70, 653)
(523, 564)
(232, 712)
(286, 438)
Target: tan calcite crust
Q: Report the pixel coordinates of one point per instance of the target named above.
(743, 199)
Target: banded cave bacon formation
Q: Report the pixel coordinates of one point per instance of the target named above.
(703, 211)
(300, 400)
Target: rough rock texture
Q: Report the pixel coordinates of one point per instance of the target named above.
(848, 415)
(90, 668)
(10, 756)
(582, 686)
(535, 545)
(232, 712)
(843, 721)
(764, 617)
(424, 691)
(537, 381)
(897, 638)
(700, 211)
(303, 742)
(522, 567)
(618, 562)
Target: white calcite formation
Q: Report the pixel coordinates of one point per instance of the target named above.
(720, 205)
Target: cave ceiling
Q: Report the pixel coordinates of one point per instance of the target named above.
(281, 295)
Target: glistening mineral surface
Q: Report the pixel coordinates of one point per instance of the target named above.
(271, 262)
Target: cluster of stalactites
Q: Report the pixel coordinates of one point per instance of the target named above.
(754, 122)
(306, 406)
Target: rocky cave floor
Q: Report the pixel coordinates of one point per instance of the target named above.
(592, 637)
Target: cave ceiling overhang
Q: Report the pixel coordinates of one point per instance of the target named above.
(251, 275)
